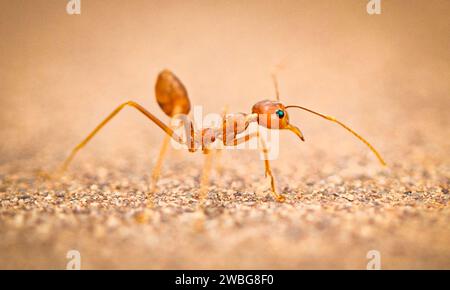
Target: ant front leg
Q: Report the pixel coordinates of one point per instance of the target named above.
(268, 171)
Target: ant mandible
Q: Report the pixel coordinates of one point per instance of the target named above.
(173, 99)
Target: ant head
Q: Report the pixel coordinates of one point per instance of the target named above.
(273, 115)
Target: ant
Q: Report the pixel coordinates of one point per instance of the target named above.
(173, 99)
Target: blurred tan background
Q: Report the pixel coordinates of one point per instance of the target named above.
(60, 73)
(385, 75)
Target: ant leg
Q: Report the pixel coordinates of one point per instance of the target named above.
(268, 172)
(199, 222)
(219, 166)
(204, 180)
(189, 131)
(135, 105)
(156, 172)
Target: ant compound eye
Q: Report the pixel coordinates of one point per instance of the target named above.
(280, 114)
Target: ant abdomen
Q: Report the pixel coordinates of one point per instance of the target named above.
(171, 94)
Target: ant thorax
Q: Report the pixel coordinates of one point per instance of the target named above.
(221, 131)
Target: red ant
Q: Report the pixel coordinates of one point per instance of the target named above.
(172, 97)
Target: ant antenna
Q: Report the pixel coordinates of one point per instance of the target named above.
(275, 83)
(332, 119)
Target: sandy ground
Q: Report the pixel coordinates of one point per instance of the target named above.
(387, 77)
(329, 220)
